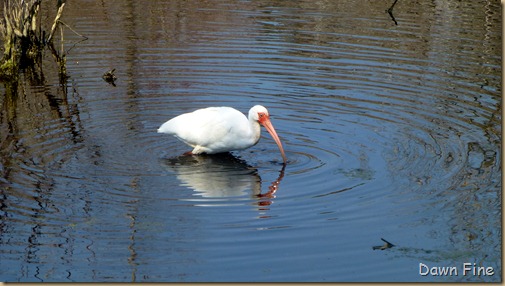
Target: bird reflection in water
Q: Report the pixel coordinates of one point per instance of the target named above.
(221, 176)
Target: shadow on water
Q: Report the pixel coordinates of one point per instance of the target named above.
(221, 176)
(39, 128)
(30, 111)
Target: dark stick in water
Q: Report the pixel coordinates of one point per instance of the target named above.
(390, 12)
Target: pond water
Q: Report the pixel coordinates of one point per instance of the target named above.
(392, 131)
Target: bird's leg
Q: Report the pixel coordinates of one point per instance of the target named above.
(189, 153)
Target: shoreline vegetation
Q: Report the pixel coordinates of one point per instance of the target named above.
(24, 38)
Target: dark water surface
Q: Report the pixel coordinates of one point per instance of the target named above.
(391, 131)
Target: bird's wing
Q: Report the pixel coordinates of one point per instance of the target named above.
(204, 126)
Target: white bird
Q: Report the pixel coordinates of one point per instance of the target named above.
(214, 130)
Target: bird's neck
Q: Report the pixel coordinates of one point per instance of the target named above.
(255, 131)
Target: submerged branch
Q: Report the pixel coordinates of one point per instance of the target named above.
(390, 12)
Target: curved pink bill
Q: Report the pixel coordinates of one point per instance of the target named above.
(270, 128)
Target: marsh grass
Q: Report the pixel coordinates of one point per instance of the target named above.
(23, 37)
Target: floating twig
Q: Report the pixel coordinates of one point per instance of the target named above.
(385, 246)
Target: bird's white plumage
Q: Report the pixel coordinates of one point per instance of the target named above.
(221, 129)
(213, 130)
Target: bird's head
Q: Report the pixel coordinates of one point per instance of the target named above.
(260, 114)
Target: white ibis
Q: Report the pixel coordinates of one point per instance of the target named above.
(221, 129)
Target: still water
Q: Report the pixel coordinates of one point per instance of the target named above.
(391, 130)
